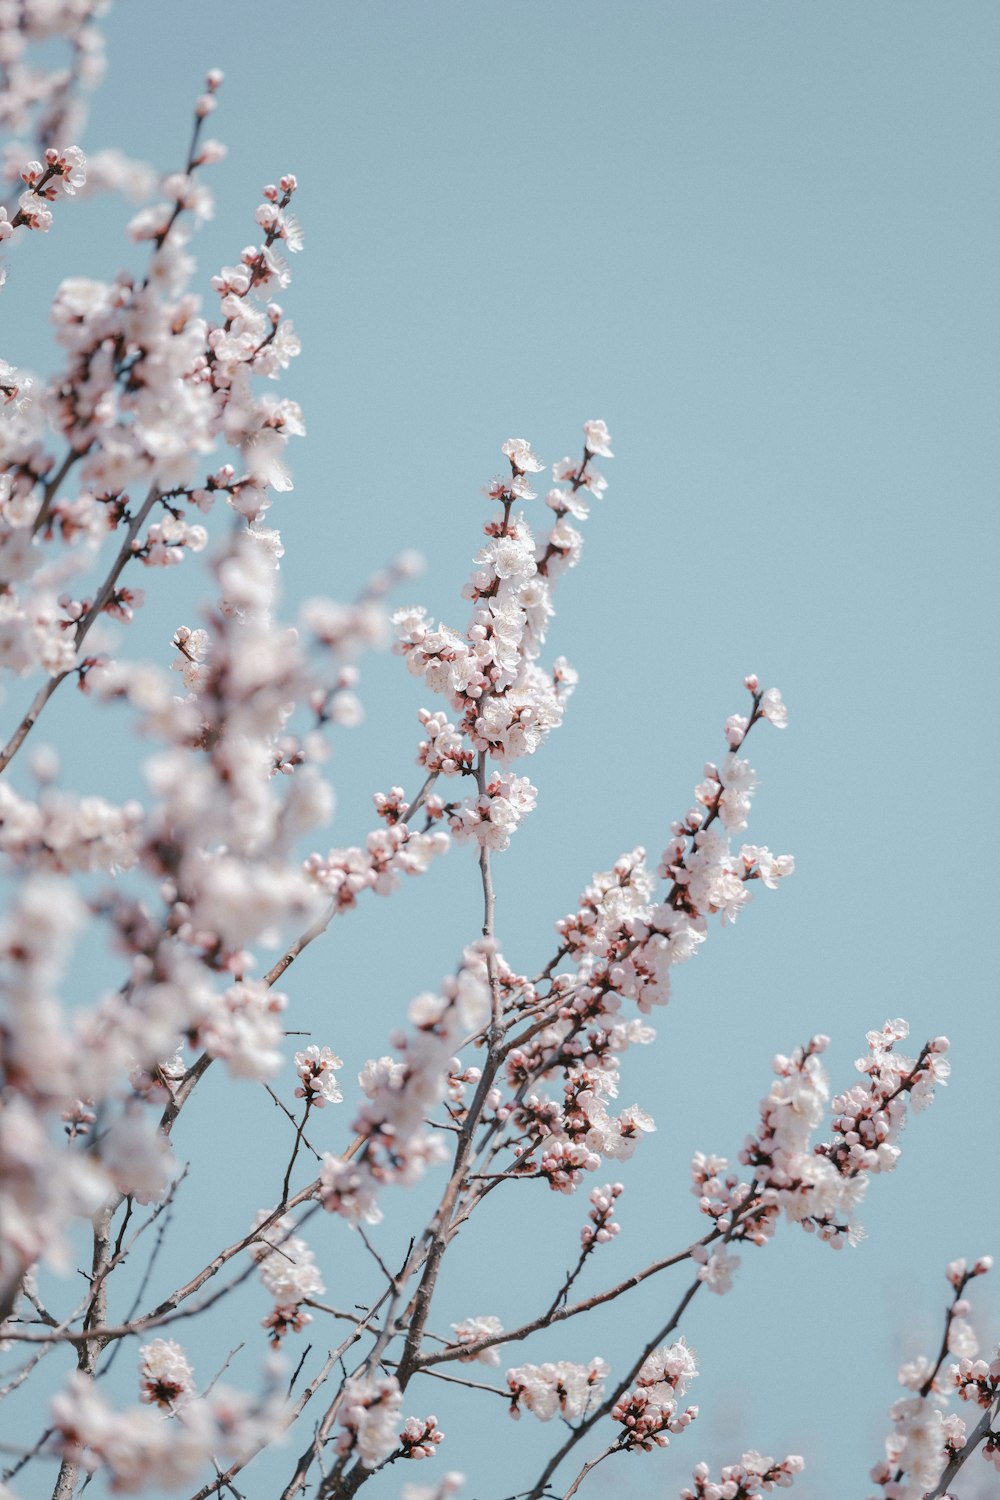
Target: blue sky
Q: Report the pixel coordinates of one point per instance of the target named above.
(759, 240)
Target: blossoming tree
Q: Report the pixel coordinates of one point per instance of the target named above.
(154, 439)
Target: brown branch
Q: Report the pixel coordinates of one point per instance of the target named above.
(546, 1320)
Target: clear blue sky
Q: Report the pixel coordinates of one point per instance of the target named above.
(759, 240)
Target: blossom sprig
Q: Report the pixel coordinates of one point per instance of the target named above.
(766, 705)
(603, 1226)
(388, 853)
(562, 1389)
(419, 1438)
(619, 918)
(444, 752)
(561, 547)
(868, 1118)
(491, 818)
(470, 1330)
(144, 392)
(753, 1476)
(368, 1414)
(133, 409)
(61, 832)
(977, 1380)
(820, 1186)
(316, 1068)
(650, 1412)
(60, 175)
(183, 194)
(623, 945)
(928, 1443)
(288, 1271)
(396, 1143)
(506, 704)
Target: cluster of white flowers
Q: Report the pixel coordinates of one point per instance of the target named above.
(59, 175)
(623, 945)
(242, 1026)
(507, 704)
(472, 1329)
(288, 1270)
(165, 1375)
(916, 1448)
(419, 1437)
(492, 817)
(286, 1264)
(649, 1411)
(42, 1185)
(368, 1412)
(444, 750)
(317, 1083)
(926, 1436)
(557, 1390)
(808, 1187)
(388, 853)
(139, 1450)
(577, 1135)
(397, 1144)
(717, 1269)
(603, 1226)
(819, 1186)
(752, 1477)
(61, 832)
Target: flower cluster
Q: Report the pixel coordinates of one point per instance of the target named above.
(917, 1450)
(926, 1437)
(557, 1390)
(389, 852)
(867, 1120)
(821, 1187)
(603, 1226)
(649, 1411)
(139, 1450)
(977, 1381)
(716, 1268)
(492, 817)
(622, 943)
(582, 1133)
(506, 704)
(472, 1329)
(59, 175)
(288, 1270)
(397, 1145)
(368, 1413)
(419, 1437)
(754, 1475)
(317, 1084)
(61, 832)
(444, 752)
(165, 1376)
